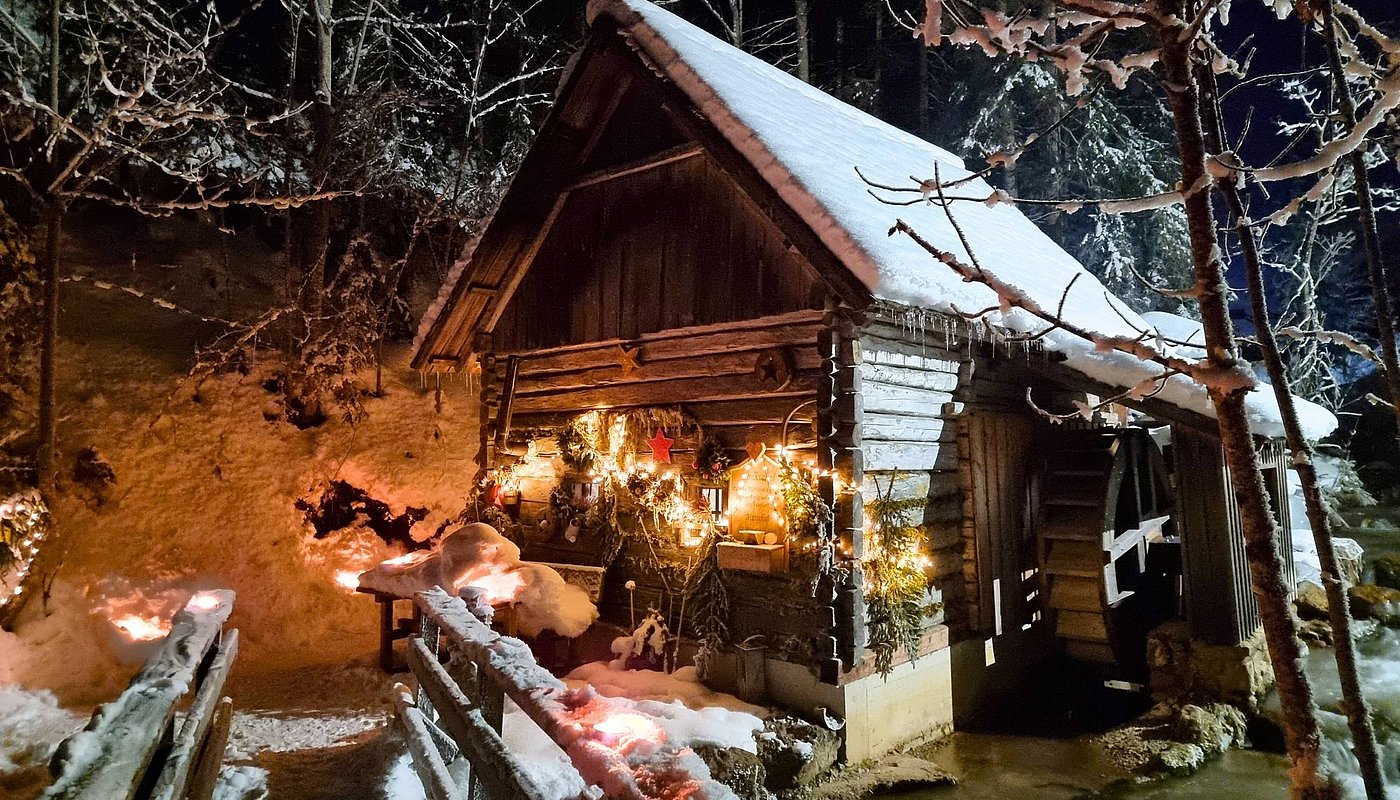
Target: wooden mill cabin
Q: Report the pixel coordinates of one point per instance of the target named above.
(688, 273)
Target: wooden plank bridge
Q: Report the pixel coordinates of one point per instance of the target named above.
(132, 748)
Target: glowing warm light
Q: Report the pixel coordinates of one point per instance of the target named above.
(203, 601)
(623, 731)
(409, 558)
(141, 629)
(348, 579)
(498, 588)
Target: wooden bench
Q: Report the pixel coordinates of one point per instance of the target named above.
(393, 627)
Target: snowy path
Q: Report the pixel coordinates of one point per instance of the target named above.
(319, 732)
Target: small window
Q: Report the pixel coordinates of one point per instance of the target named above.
(715, 501)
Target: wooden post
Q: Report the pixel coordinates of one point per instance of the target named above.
(490, 400)
(503, 412)
(206, 772)
(386, 632)
(428, 632)
(177, 775)
(840, 408)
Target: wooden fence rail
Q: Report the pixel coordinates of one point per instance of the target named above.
(131, 748)
(459, 704)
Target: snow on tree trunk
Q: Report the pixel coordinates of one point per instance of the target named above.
(1301, 731)
(1365, 218)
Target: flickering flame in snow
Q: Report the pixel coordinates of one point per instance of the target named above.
(348, 579)
(409, 558)
(203, 601)
(141, 629)
(623, 730)
(499, 587)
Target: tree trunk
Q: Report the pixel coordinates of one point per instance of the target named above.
(1358, 712)
(923, 104)
(55, 28)
(1301, 732)
(802, 14)
(48, 351)
(1365, 219)
(322, 118)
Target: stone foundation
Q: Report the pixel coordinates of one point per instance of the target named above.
(1183, 668)
(880, 712)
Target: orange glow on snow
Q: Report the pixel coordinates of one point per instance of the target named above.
(499, 587)
(622, 731)
(203, 602)
(409, 558)
(141, 629)
(348, 579)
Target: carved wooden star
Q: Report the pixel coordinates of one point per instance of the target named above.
(629, 358)
(661, 447)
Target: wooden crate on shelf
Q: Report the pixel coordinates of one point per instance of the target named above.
(753, 557)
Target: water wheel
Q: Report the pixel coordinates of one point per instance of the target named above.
(1104, 583)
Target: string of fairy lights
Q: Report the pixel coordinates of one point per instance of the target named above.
(756, 491)
(23, 528)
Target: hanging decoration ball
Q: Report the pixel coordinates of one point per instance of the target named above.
(496, 495)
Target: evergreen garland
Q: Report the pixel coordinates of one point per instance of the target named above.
(711, 462)
(896, 580)
(578, 445)
(807, 514)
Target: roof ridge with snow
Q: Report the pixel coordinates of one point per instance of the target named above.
(808, 144)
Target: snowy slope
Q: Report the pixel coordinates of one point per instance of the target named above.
(808, 145)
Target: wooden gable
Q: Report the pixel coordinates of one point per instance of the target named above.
(670, 247)
(631, 214)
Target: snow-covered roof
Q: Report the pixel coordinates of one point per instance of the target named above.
(808, 145)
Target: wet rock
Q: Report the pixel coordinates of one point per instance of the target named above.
(1380, 603)
(898, 773)
(1180, 759)
(1311, 601)
(1214, 728)
(1316, 633)
(796, 753)
(1350, 560)
(1183, 667)
(738, 769)
(1176, 739)
(1387, 569)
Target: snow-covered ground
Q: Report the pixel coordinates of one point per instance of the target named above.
(204, 497)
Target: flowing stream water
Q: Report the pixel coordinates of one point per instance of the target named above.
(998, 766)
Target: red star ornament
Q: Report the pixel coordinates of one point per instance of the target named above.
(660, 447)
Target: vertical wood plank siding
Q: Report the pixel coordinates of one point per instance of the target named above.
(1219, 600)
(671, 247)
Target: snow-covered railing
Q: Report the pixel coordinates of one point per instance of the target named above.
(132, 748)
(458, 711)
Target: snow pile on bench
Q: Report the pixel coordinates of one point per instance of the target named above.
(477, 555)
(807, 145)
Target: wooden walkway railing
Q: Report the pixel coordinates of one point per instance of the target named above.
(457, 710)
(131, 748)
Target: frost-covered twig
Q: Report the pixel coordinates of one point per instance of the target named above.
(1228, 378)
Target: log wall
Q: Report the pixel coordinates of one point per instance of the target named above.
(708, 372)
(909, 432)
